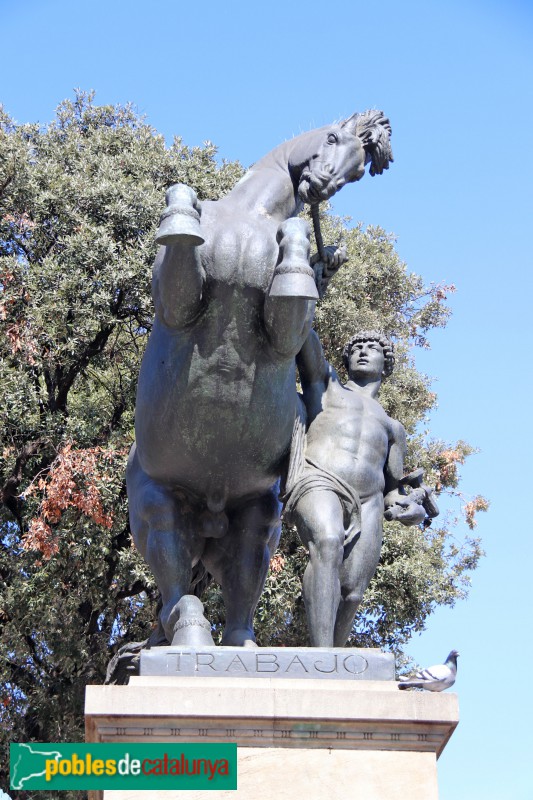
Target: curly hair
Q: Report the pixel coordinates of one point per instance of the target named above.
(372, 336)
(374, 130)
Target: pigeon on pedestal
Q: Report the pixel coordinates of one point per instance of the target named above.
(434, 679)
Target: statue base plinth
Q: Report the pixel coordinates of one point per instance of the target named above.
(309, 739)
(324, 663)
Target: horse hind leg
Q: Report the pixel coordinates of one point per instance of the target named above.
(164, 534)
(239, 563)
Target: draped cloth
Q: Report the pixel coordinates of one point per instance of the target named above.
(305, 475)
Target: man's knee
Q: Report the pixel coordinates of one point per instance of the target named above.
(327, 546)
(353, 598)
(319, 515)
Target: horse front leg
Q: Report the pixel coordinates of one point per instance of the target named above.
(291, 299)
(178, 276)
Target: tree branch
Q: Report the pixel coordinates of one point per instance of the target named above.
(6, 183)
(130, 591)
(65, 382)
(9, 491)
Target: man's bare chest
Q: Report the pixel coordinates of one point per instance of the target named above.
(355, 414)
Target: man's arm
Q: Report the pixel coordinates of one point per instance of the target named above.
(400, 506)
(396, 457)
(315, 374)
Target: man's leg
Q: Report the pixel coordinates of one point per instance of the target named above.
(318, 515)
(361, 559)
(239, 562)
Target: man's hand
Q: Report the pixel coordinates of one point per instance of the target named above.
(405, 508)
(326, 268)
(413, 507)
(415, 480)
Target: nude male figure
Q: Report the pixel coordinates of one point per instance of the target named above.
(353, 470)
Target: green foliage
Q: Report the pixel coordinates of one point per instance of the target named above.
(79, 204)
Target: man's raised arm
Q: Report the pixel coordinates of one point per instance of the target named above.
(315, 373)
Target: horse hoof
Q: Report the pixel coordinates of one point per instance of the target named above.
(180, 222)
(294, 284)
(239, 637)
(192, 628)
(294, 277)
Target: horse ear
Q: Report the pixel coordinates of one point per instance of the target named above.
(350, 124)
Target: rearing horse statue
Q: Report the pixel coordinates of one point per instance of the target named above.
(234, 297)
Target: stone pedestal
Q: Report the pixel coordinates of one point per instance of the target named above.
(308, 739)
(280, 663)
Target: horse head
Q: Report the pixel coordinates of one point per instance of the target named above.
(341, 153)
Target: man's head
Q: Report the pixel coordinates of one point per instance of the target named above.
(369, 355)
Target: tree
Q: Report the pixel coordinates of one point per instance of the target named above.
(79, 205)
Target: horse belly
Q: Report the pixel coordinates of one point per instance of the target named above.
(210, 431)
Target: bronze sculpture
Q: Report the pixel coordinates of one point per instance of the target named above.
(234, 297)
(351, 468)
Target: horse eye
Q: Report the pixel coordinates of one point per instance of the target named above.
(333, 138)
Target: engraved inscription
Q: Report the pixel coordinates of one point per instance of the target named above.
(333, 664)
(297, 660)
(266, 662)
(355, 664)
(240, 666)
(205, 660)
(323, 663)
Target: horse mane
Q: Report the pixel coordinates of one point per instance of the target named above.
(373, 128)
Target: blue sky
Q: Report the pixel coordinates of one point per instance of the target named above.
(456, 81)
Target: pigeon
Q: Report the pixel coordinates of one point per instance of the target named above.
(434, 679)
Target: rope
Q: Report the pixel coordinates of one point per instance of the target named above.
(315, 214)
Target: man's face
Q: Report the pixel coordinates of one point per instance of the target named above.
(366, 361)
